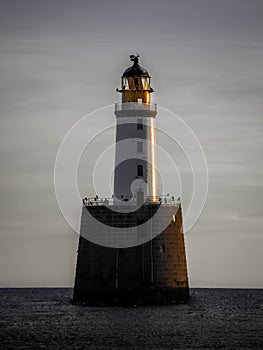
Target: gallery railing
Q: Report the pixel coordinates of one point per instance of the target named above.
(163, 199)
(135, 106)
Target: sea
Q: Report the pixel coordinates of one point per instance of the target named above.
(44, 318)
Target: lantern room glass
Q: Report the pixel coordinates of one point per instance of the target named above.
(133, 82)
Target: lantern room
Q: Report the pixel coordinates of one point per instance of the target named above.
(135, 83)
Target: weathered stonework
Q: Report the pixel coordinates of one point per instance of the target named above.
(151, 273)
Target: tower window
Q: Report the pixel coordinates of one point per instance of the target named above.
(139, 124)
(162, 248)
(139, 147)
(139, 170)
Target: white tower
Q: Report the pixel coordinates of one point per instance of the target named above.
(135, 156)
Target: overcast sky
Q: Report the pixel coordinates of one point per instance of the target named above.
(61, 60)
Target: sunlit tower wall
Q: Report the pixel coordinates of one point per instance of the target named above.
(148, 273)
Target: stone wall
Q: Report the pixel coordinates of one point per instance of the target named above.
(152, 272)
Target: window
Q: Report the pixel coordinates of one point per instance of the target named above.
(139, 147)
(139, 170)
(125, 84)
(146, 83)
(162, 248)
(139, 124)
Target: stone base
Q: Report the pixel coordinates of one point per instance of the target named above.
(153, 273)
(155, 296)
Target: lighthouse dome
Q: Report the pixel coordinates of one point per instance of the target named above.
(135, 70)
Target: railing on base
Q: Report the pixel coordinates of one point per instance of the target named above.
(163, 199)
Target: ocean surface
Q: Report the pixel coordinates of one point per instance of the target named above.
(213, 319)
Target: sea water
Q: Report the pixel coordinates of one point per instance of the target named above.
(44, 318)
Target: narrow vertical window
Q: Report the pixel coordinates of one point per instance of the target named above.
(139, 147)
(162, 248)
(139, 170)
(139, 124)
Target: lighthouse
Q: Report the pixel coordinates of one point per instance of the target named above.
(131, 246)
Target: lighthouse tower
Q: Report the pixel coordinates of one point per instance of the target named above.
(135, 157)
(140, 258)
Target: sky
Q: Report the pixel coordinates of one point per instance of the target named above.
(62, 60)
